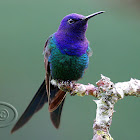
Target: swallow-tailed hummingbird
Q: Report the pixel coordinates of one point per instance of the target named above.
(66, 56)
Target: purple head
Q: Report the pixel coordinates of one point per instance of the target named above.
(76, 23)
(73, 23)
(70, 36)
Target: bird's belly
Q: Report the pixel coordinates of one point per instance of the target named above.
(66, 67)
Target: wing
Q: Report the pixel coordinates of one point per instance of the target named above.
(46, 93)
(47, 69)
(56, 115)
(56, 100)
(56, 96)
(35, 105)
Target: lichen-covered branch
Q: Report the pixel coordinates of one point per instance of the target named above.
(107, 94)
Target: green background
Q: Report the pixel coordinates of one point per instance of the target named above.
(115, 40)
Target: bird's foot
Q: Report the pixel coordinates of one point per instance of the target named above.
(66, 85)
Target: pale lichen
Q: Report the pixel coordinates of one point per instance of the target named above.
(107, 94)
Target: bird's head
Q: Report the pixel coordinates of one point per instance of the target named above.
(76, 23)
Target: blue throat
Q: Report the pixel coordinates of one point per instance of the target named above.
(71, 43)
(67, 64)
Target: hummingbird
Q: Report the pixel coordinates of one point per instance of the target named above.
(66, 56)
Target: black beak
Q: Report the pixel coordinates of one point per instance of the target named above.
(92, 15)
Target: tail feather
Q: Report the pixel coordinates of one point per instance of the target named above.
(56, 115)
(36, 104)
(57, 98)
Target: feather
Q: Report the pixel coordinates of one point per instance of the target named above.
(35, 105)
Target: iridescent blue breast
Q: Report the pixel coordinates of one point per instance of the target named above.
(66, 67)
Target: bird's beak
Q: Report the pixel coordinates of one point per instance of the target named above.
(92, 15)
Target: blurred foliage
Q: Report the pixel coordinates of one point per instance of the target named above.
(115, 40)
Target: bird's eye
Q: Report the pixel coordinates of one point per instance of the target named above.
(71, 21)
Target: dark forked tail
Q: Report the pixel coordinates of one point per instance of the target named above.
(36, 104)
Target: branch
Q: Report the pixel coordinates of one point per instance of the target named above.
(107, 94)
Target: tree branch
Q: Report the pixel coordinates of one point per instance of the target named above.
(107, 94)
